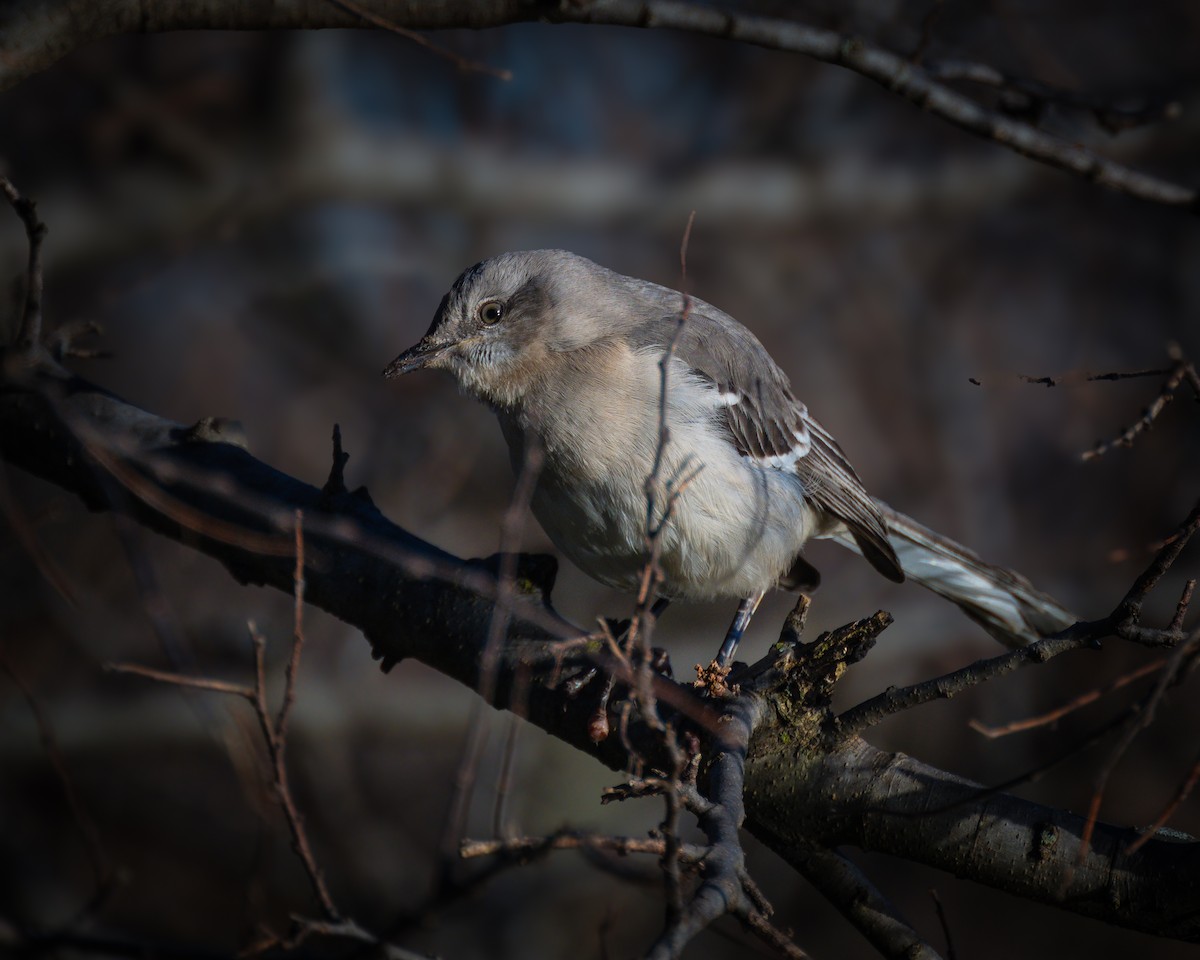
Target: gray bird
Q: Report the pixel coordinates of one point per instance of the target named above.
(568, 353)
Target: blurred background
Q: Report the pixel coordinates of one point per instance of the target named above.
(260, 222)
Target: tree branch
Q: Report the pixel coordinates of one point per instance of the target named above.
(805, 783)
(36, 33)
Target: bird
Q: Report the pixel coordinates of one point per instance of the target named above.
(589, 366)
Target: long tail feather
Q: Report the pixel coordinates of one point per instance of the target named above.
(1003, 602)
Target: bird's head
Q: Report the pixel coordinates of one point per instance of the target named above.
(504, 318)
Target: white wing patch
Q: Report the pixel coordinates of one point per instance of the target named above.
(787, 461)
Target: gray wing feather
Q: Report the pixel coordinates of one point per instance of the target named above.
(766, 422)
(832, 483)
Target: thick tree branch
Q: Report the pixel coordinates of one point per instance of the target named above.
(805, 784)
(36, 33)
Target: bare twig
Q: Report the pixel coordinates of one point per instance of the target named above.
(102, 868)
(1129, 611)
(521, 847)
(305, 928)
(1184, 791)
(941, 914)
(477, 728)
(463, 64)
(293, 664)
(274, 730)
(1075, 703)
(1177, 375)
(928, 22)
(29, 334)
(504, 781)
(1029, 98)
(1084, 376)
(894, 700)
(180, 680)
(335, 483)
(861, 902)
(24, 532)
(1138, 720)
(643, 621)
(1181, 371)
(656, 518)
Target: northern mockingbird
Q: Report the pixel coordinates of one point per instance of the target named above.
(568, 353)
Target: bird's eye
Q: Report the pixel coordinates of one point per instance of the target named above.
(490, 311)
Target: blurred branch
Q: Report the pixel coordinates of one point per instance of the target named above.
(1075, 703)
(1139, 718)
(1184, 371)
(1028, 98)
(105, 874)
(275, 735)
(36, 33)
(30, 331)
(861, 902)
(383, 23)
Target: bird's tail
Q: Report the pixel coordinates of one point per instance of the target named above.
(1003, 602)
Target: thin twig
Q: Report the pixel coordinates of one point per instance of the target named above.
(274, 731)
(1129, 610)
(861, 902)
(1084, 376)
(1076, 703)
(293, 664)
(575, 840)
(102, 869)
(26, 536)
(1138, 721)
(504, 781)
(894, 700)
(181, 680)
(304, 928)
(29, 335)
(276, 740)
(1149, 415)
(1184, 791)
(1029, 98)
(467, 66)
(465, 778)
(928, 22)
(951, 954)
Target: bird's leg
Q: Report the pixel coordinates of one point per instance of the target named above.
(741, 620)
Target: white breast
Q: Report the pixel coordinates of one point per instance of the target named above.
(735, 527)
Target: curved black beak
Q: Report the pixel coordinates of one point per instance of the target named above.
(416, 357)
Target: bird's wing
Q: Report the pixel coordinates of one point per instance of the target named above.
(768, 424)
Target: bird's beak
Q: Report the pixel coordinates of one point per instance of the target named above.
(417, 356)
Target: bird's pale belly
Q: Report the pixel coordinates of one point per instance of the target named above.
(734, 530)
